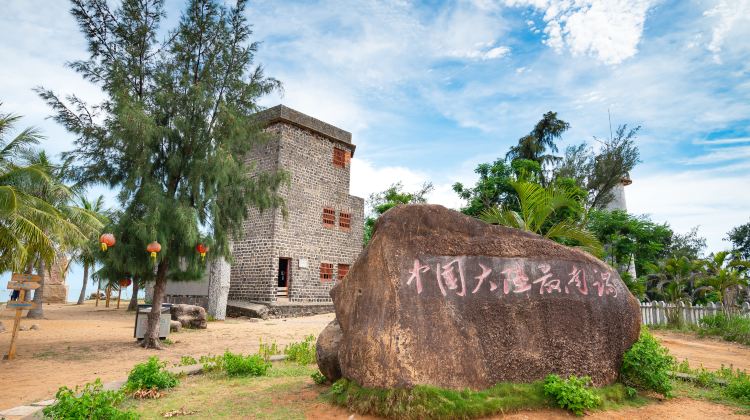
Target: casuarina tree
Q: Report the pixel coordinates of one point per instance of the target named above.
(174, 128)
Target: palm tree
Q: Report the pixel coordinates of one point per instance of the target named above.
(25, 219)
(725, 274)
(538, 205)
(87, 250)
(676, 279)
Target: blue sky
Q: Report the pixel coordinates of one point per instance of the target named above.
(431, 89)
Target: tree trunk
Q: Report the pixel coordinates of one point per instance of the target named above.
(82, 296)
(151, 337)
(133, 305)
(38, 312)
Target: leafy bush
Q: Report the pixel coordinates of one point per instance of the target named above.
(150, 376)
(93, 403)
(268, 350)
(572, 394)
(319, 378)
(731, 328)
(250, 365)
(212, 363)
(647, 365)
(302, 353)
(188, 361)
(738, 387)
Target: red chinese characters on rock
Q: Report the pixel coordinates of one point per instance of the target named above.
(451, 274)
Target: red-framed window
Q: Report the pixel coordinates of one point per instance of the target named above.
(339, 157)
(345, 220)
(329, 217)
(343, 270)
(326, 272)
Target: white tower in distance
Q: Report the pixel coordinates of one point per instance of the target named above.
(619, 203)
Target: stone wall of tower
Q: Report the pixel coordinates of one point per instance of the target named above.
(252, 252)
(300, 235)
(316, 183)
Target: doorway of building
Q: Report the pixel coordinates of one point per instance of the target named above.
(283, 280)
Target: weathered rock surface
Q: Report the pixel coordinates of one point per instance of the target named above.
(55, 293)
(2, 327)
(443, 299)
(175, 326)
(327, 351)
(34, 327)
(190, 316)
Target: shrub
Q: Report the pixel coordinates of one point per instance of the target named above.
(647, 365)
(268, 350)
(731, 328)
(150, 376)
(738, 387)
(302, 353)
(239, 365)
(571, 394)
(319, 378)
(92, 403)
(212, 363)
(188, 361)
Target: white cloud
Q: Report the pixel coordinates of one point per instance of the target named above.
(714, 200)
(729, 15)
(736, 140)
(609, 30)
(721, 155)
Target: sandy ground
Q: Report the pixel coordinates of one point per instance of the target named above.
(76, 344)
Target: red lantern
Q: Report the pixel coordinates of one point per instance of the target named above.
(107, 240)
(153, 248)
(202, 249)
(125, 282)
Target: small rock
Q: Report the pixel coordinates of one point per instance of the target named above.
(23, 328)
(327, 351)
(190, 316)
(175, 326)
(34, 326)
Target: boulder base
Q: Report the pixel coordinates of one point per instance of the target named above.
(327, 351)
(190, 316)
(443, 299)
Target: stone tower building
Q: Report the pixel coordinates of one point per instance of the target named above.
(297, 258)
(300, 257)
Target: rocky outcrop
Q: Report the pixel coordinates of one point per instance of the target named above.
(190, 316)
(327, 351)
(443, 299)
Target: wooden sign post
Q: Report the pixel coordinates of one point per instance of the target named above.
(22, 283)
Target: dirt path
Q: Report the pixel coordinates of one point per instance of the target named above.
(76, 344)
(709, 352)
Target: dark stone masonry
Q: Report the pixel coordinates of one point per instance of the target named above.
(295, 259)
(302, 256)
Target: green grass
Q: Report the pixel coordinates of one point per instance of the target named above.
(285, 393)
(437, 403)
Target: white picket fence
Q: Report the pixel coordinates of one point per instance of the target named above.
(654, 313)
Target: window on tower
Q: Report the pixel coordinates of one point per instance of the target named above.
(329, 217)
(326, 272)
(345, 220)
(339, 157)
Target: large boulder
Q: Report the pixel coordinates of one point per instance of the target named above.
(443, 299)
(190, 316)
(327, 351)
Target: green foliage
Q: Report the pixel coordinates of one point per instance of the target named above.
(738, 387)
(423, 402)
(534, 145)
(266, 350)
(212, 363)
(647, 365)
(188, 361)
(173, 128)
(393, 196)
(729, 327)
(493, 189)
(150, 376)
(538, 205)
(92, 402)
(572, 394)
(739, 236)
(301, 352)
(239, 365)
(318, 378)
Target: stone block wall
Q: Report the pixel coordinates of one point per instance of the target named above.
(304, 147)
